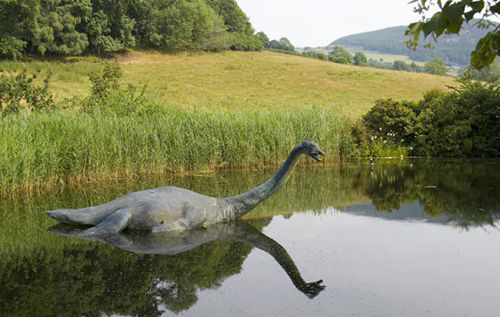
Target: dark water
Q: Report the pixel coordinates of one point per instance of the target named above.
(411, 238)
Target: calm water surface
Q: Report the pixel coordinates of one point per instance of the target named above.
(413, 238)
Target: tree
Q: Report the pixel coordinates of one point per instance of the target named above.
(435, 66)
(286, 45)
(110, 28)
(401, 65)
(56, 31)
(234, 18)
(179, 25)
(320, 55)
(391, 120)
(340, 55)
(450, 18)
(415, 68)
(360, 59)
(14, 17)
(264, 39)
(282, 44)
(274, 44)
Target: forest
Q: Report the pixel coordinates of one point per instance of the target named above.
(74, 27)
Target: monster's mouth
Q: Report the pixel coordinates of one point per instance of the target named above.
(315, 155)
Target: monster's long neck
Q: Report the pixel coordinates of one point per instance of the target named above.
(245, 202)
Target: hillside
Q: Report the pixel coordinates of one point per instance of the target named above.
(453, 49)
(242, 80)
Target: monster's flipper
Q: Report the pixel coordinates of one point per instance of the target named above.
(114, 223)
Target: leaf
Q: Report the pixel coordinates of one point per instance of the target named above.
(455, 26)
(486, 51)
(477, 6)
(453, 12)
(495, 8)
(435, 23)
(414, 28)
(469, 15)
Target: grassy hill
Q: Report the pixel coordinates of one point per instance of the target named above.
(241, 80)
(453, 49)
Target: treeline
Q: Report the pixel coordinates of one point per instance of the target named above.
(283, 44)
(340, 55)
(64, 27)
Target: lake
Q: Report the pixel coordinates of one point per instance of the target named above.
(398, 238)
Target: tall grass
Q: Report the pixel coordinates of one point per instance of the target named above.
(67, 146)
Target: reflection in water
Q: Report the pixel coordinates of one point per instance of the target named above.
(165, 270)
(466, 193)
(86, 278)
(176, 242)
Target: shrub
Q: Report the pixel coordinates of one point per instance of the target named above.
(105, 81)
(482, 103)
(391, 120)
(107, 96)
(19, 93)
(360, 59)
(243, 42)
(464, 122)
(340, 55)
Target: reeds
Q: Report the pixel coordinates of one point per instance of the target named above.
(68, 146)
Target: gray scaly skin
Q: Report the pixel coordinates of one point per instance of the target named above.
(172, 208)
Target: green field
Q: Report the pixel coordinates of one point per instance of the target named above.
(241, 80)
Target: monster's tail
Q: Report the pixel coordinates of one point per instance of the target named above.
(84, 216)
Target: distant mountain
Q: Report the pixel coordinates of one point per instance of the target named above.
(452, 49)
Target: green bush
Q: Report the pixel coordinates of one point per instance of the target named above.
(482, 103)
(243, 42)
(443, 126)
(340, 55)
(391, 120)
(106, 95)
(18, 93)
(462, 122)
(105, 81)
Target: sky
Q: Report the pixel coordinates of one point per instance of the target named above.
(320, 22)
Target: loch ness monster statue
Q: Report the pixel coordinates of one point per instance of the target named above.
(171, 208)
